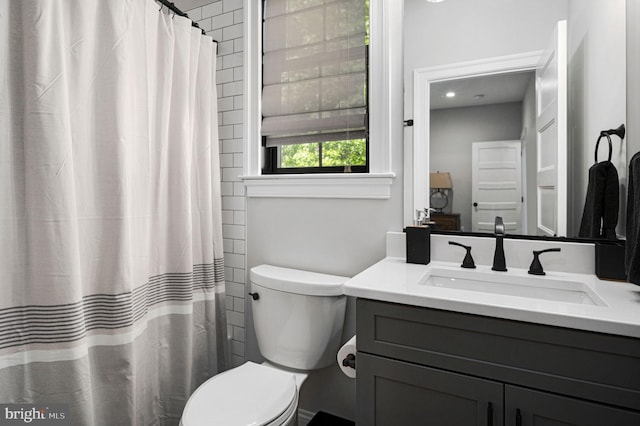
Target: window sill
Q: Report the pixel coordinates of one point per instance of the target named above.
(339, 185)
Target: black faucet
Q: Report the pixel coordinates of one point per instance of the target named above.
(536, 266)
(499, 263)
(468, 259)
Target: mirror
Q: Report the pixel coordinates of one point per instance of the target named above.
(476, 48)
(491, 115)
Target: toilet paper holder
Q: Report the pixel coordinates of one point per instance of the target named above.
(349, 361)
(346, 358)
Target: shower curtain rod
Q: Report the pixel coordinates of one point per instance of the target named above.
(172, 7)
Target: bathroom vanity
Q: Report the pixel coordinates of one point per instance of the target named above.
(453, 356)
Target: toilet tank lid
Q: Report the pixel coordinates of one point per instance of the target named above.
(297, 281)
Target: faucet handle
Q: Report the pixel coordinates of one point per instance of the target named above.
(536, 266)
(499, 228)
(468, 259)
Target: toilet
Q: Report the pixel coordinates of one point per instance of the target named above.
(298, 318)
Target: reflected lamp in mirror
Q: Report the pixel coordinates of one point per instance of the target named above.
(440, 183)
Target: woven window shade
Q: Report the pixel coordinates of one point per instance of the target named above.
(314, 71)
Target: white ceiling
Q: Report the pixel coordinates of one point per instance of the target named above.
(495, 89)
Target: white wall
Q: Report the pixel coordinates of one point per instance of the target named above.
(452, 132)
(186, 5)
(459, 31)
(597, 93)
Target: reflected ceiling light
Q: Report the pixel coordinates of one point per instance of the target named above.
(450, 94)
(435, 1)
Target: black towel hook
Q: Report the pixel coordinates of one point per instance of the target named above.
(620, 132)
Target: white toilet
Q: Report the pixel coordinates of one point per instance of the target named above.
(298, 318)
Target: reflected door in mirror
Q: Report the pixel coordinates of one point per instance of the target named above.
(496, 185)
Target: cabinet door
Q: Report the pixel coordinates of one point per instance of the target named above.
(525, 407)
(391, 392)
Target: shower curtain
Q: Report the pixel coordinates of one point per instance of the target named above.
(112, 301)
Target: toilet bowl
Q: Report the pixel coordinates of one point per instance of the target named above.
(298, 318)
(251, 394)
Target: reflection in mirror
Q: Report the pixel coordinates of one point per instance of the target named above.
(438, 36)
(485, 115)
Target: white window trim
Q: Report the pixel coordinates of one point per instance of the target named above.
(329, 185)
(385, 52)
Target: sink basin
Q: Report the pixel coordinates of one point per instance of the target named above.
(532, 287)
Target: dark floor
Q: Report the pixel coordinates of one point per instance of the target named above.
(325, 419)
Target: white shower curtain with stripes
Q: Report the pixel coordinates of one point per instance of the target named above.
(111, 261)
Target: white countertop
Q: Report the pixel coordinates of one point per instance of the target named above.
(394, 280)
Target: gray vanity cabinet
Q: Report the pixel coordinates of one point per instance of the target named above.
(401, 393)
(530, 407)
(421, 366)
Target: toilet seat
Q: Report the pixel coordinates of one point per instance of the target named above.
(252, 394)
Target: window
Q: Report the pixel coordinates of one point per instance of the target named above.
(314, 94)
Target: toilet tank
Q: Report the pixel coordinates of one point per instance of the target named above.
(298, 316)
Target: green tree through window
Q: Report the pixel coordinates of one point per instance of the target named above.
(334, 154)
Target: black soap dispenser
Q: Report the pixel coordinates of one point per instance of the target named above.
(418, 239)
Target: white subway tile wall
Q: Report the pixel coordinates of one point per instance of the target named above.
(223, 20)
